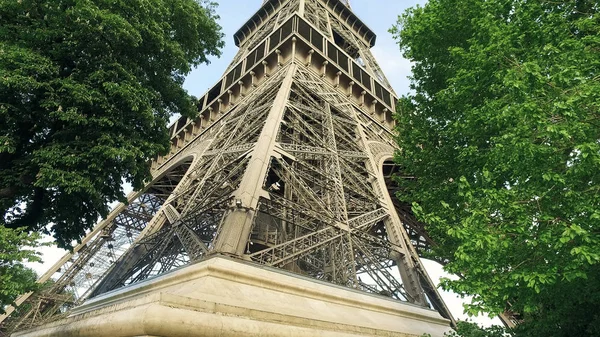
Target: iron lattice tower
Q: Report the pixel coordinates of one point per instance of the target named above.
(287, 165)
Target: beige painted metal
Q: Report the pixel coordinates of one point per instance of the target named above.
(333, 218)
(238, 224)
(224, 297)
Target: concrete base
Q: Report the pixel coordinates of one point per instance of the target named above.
(225, 297)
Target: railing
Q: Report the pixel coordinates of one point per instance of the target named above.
(263, 56)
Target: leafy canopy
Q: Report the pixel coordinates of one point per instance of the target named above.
(16, 247)
(503, 132)
(86, 91)
(469, 329)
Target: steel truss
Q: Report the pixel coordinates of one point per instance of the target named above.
(289, 176)
(80, 272)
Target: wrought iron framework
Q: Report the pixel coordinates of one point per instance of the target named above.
(285, 166)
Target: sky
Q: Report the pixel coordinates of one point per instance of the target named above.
(379, 15)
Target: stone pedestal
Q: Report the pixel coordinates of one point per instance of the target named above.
(225, 297)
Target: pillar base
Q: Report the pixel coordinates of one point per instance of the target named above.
(225, 297)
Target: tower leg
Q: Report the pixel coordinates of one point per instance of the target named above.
(235, 229)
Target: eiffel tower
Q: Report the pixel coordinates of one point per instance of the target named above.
(272, 214)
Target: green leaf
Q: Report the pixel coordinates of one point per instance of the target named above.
(505, 101)
(86, 91)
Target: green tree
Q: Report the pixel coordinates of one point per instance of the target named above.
(503, 132)
(86, 92)
(469, 329)
(16, 247)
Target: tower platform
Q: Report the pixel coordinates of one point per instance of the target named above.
(227, 297)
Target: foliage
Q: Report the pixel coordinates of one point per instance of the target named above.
(503, 132)
(468, 329)
(16, 247)
(86, 90)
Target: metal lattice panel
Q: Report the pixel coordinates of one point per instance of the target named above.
(282, 167)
